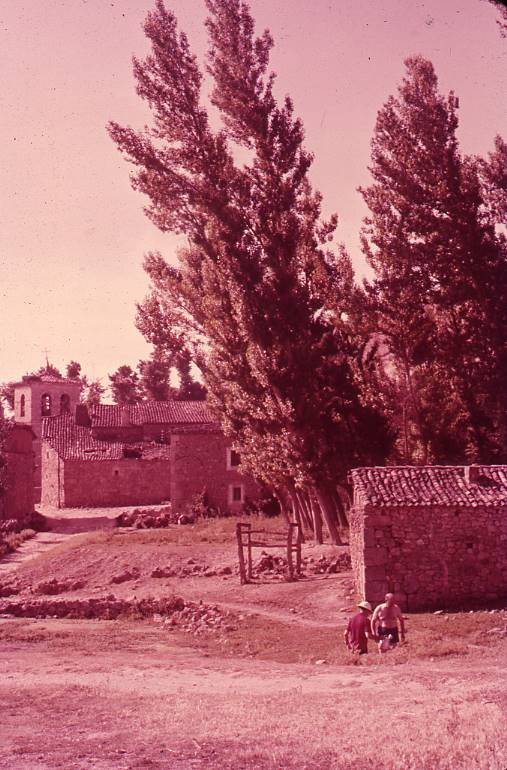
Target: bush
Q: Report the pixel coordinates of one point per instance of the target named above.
(9, 541)
(199, 508)
(267, 505)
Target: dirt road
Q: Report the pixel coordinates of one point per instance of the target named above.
(120, 696)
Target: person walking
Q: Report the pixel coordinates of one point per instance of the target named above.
(358, 630)
(385, 619)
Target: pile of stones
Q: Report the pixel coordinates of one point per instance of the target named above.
(106, 607)
(173, 612)
(190, 569)
(54, 586)
(153, 518)
(276, 566)
(198, 619)
(10, 589)
(328, 564)
(147, 518)
(123, 577)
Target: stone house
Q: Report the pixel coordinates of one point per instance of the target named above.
(434, 536)
(141, 454)
(17, 502)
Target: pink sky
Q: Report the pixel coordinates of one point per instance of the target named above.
(73, 233)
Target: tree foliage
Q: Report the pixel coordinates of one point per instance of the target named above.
(73, 370)
(125, 388)
(439, 297)
(7, 394)
(257, 292)
(92, 393)
(154, 377)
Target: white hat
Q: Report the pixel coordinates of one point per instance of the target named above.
(365, 606)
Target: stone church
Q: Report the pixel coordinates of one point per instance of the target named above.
(139, 454)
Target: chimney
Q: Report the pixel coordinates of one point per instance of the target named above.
(471, 474)
(82, 417)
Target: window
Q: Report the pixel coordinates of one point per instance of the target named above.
(45, 405)
(236, 494)
(64, 403)
(233, 459)
(22, 406)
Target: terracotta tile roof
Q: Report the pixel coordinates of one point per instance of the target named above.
(75, 442)
(152, 413)
(429, 485)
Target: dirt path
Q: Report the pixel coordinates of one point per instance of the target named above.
(42, 542)
(61, 526)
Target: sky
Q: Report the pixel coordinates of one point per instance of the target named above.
(73, 232)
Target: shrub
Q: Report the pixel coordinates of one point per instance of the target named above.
(199, 508)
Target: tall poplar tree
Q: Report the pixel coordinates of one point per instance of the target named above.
(439, 296)
(255, 293)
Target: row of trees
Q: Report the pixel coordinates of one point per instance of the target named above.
(152, 380)
(309, 372)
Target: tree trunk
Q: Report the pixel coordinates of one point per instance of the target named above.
(283, 507)
(340, 507)
(317, 519)
(305, 509)
(329, 514)
(296, 510)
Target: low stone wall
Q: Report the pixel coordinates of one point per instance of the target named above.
(430, 556)
(105, 608)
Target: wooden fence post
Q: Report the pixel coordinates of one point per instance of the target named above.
(289, 550)
(298, 551)
(239, 536)
(248, 528)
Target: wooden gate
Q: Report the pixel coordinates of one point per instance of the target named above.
(249, 538)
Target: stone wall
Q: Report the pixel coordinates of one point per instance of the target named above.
(200, 462)
(430, 556)
(97, 483)
(18, 500)
(52, 477)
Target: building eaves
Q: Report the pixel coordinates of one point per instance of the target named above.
(416, 486)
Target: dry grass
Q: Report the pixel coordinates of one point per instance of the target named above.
(255, 721)
(219, 531)
(431, 638)
(11, 541)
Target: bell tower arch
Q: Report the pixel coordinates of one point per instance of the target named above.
(41, 396)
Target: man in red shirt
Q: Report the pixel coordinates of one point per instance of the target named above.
(359, 629)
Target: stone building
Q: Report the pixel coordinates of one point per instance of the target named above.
(433, 536)
(140, 454)
(17, 502)
(37, 397)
